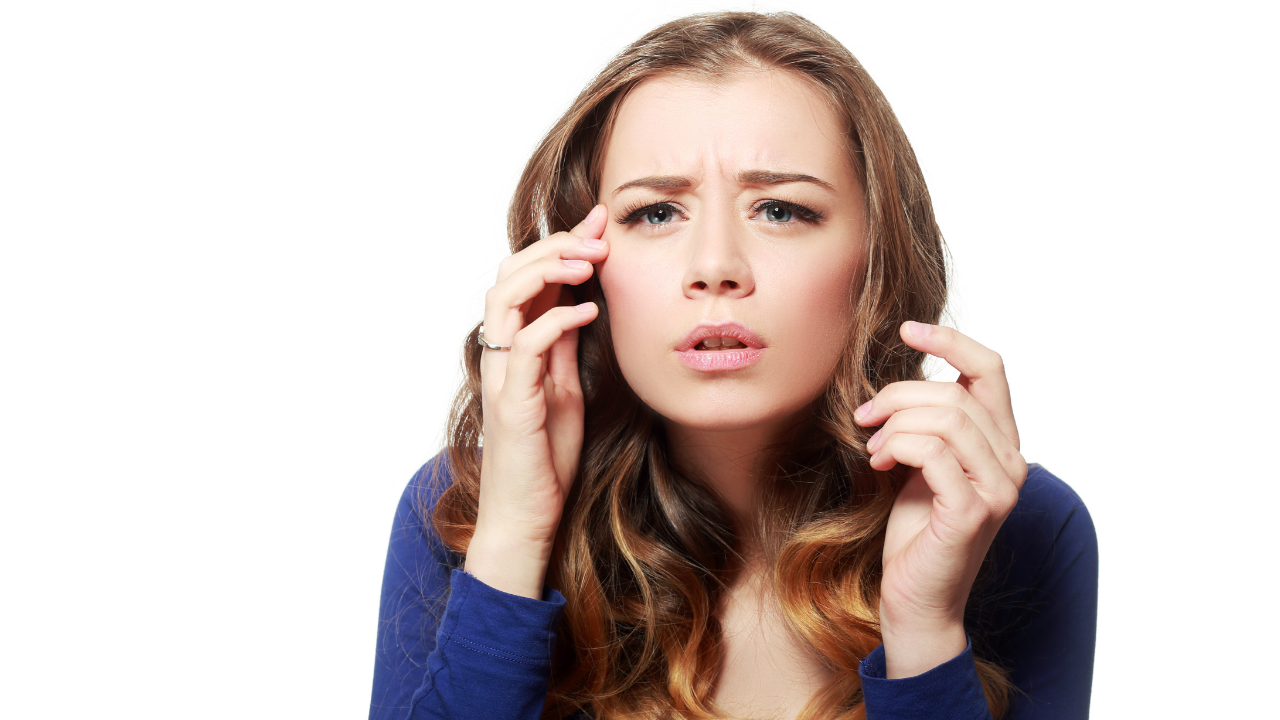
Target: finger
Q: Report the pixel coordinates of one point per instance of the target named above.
(525, 361)
(562, 362)
(981, 368)
(942, 473)
(922, 393)
(578, 251)
(506, 311)
(581, 243)
(966, 442)
(503, 315)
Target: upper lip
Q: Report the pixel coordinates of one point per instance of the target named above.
(725, 329)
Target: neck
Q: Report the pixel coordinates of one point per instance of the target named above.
(732, 462)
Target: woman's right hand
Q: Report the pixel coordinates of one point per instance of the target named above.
(533, 408)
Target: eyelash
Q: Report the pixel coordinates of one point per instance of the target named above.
(632, 213)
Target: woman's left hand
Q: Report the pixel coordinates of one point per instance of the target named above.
(962, 445)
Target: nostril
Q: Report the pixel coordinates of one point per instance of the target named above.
(732, 285)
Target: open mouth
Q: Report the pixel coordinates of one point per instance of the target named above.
(720, 347)
(716, 344)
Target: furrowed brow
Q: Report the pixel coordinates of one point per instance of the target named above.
(769, 177)
(656, 182)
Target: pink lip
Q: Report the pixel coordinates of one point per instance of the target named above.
(720, 360)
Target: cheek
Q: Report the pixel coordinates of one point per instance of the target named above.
(631, 287)
(830, 291)
(819, 314)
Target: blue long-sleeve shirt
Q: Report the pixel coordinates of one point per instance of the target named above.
(450, 646)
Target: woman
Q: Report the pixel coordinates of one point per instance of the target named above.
(714, 482)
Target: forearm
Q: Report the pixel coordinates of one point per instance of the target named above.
(492, 657)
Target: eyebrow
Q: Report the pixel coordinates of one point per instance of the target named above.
(746, 177)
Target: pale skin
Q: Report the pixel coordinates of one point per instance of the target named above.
(737, 201)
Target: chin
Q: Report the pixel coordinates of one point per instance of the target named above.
(713, 411)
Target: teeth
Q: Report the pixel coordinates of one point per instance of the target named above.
(718, 342)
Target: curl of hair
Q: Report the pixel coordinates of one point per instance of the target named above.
(644, 552)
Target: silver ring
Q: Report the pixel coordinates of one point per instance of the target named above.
(480, 339)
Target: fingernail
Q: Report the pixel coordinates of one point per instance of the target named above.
(918, 330)
(592, 242)
(595, 211)
(873, 442)
(580, 264)
(862, 410)
(585, 307)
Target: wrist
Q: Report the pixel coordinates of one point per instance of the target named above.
(507, 562)
(914, 648)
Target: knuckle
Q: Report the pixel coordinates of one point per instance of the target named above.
(995, 363)
(1008, 499)
(934, 448)
(957, 395)
(957, 420)
(1011, 458)
(505, 266)
(979, 510)
(520, 342)
(1020, 469)
(491, 297)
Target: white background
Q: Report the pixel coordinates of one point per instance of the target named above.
(242, 242)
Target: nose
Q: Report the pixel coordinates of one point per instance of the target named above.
(718, 265)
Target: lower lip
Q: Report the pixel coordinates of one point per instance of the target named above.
(720, 360)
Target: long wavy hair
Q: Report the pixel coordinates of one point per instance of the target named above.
(645, 551)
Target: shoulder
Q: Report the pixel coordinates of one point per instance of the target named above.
(1048, 506)
(428, 484)
(1049, 532)
(418, 502)
(1039, 582)
(1036, 610)
(1044, 491)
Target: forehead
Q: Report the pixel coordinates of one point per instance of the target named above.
(769, 119)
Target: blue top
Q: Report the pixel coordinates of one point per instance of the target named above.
(450, 646)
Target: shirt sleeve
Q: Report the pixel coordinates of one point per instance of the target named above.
(448, 645)
(1051, 651)
(951, 690)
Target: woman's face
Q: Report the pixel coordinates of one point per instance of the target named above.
(734, 213)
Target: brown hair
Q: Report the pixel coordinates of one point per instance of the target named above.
(644, 552)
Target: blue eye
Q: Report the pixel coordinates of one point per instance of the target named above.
(781, 212)
(655, 214)
(777, 213)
